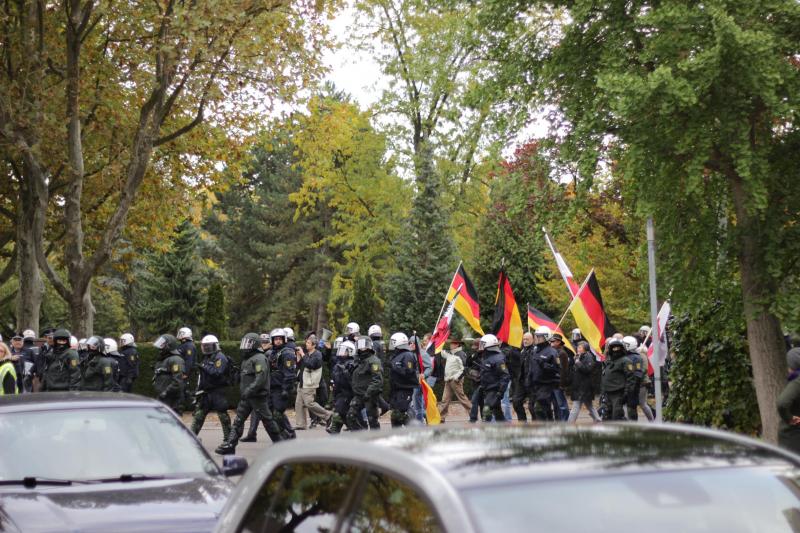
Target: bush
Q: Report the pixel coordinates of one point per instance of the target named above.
(711, 378)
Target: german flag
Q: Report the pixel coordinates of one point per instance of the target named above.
(506, 324)
(467, 302)
(590, 315)
(536, 319)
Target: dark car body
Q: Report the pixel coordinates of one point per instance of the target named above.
(175, 503)
(523, 478)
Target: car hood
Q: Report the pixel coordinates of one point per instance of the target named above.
(174, 505)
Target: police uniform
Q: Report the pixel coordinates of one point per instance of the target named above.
(211, 391)
(618, 382)
(168, 381)
(494, 382)
(128, 367)
(403, 379)
(342, 375)
(367, 384)
(98, 374)
(543, 377)
(254, 394)
(633, 394)
(283, 366)
(62, 369)
(188, 352)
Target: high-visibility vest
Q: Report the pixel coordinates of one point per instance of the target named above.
(6, 369)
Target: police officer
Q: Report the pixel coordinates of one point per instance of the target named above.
(619, 381)
(254, 419)
(61, 365)
(494, 377)
(544, 375)
(98, 370)
(168, 373)
(214, 379)
(404, 378)
(34, 375)
(129, 363)
(367, 385)
(117, 359)
(283, 365)
(632, 401)
(254, 394)
(517, 393)
(342, 375)
(187, 350)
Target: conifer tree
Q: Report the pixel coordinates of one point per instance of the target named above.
(215, 319)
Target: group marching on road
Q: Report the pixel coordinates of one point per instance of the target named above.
(534, 380)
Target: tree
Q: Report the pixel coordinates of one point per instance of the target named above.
(214, 318)
(275, 272)
(366, 308)
(168, 293)
(345, 169)
(137, 83)
(425, 258)
(696, 105)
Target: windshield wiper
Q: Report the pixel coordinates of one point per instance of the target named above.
(126, 478)
(31, 482)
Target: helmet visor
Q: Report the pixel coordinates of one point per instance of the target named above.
(208, 347)
(344, 350)
(363, 344)
(160, 342)
(248, 343)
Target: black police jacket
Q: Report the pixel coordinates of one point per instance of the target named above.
(214, 372)
(283, 368)
(129, 368)
(255, 373)
(544, 366)
(367, 379)
(618, 375)
(377, 346)
(404, 371)
(494, 374)
(513, 361)
(188, 351)
(342, 375)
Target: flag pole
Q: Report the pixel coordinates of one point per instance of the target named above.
(527, 319)
(575, 298)
(651, 264)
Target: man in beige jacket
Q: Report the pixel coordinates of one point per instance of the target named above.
(311, 362)
(453, 377)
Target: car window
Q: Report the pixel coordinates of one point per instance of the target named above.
(388, 505)
(303, 497)
(100, 443)
(733, 500)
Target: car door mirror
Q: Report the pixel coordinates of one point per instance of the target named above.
(233, 465)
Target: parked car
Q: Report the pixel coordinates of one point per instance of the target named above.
(499, 478)
(92, 462)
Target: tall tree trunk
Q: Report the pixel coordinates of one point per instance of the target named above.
(764, 336)
(82, 312)
(29, 295)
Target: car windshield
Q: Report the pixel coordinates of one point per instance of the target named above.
(99, 443)
(734, 500)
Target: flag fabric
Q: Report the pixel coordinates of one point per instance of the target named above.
(566, 273)
(507, 324)
(442, 332)
(429, 400)
(590, 315)
(659, 337)
(536, 319)
(467, 303)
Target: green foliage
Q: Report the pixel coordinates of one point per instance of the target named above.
(365, 309)
(425, 257)
(711, 377)
(169, 289)
(214, 318)
(275, 274)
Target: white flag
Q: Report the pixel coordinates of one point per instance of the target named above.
(660, 336)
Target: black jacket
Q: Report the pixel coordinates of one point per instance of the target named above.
(544, 366)
(583, 378)
(494, 376)
(404, 372)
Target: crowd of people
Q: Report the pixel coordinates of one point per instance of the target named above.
(535, 381)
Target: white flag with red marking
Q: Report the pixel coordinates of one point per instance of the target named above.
(660, 337)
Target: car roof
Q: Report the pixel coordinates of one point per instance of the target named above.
(485, 455)
(43, 401)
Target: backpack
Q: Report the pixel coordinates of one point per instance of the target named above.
(232, 373)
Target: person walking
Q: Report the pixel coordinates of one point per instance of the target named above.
(453, 378)
(583, 383)
(310, 377)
